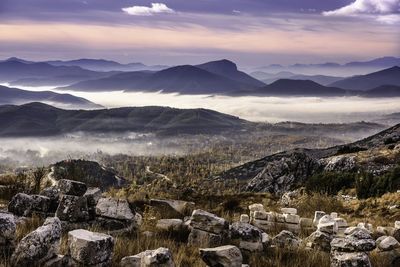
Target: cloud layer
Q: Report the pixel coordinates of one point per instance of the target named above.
(155, 8)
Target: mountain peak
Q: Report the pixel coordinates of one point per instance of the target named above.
(222, 65)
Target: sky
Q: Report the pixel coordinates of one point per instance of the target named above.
(249, 32)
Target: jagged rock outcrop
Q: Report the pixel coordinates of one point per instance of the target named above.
(225, 256)
(39, 246)
(285, 171)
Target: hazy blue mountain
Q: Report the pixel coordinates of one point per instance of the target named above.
(37, 119)
(105, 65)
(288, 87)
(229, 70)
(335, 69)
(383, 91)
(321, 79)
(17, 72)
(390, 76)
(15, 96)
(214, 77)
(383, 62)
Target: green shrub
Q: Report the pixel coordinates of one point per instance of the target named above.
(368, 185)
(330, 182)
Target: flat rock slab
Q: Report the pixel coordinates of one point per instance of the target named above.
(90, 248)
(114, 209)
(209, 222)
(225, 256)
(161, 257)
(70, 187)
(173, 208)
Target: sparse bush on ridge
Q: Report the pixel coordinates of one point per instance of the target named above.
(368, 185)
(330, 182)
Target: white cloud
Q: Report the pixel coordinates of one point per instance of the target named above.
(378, 7)
(155, 8)
(386, 11)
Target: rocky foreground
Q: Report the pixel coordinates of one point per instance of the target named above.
(90, 222)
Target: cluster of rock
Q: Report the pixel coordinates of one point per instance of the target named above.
(41, 247)
(77, 207)
(268, 221)
(219, 242)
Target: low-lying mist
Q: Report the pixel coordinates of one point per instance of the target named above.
(265, 109)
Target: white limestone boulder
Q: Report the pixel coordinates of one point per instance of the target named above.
(90, 248)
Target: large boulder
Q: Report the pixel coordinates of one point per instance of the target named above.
(200, 238)
(250, 237)
(358, 240)
(286, 239)
(319, 241)
(7, 233)
(388, 243)
(225, 256)
(21, 205)
(172, 208)
(161, 257)
(90, 248)
(354, 259)
(72, 209)
(70, 187)
(92, 195)
(53, 194)
(209, 222)
(114, 209)
(40, 203)
(327, 224)
(39, 246)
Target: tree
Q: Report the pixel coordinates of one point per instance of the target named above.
(38, 175)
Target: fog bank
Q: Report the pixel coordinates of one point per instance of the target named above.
(265, 109)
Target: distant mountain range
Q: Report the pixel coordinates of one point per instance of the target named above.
(20, 72)
(37, 119)
(384, 83)
(105, 65)
(220, 77)
(15, 96)
(334, 69)
(269, 78)
(370, 81)
(210, 78)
